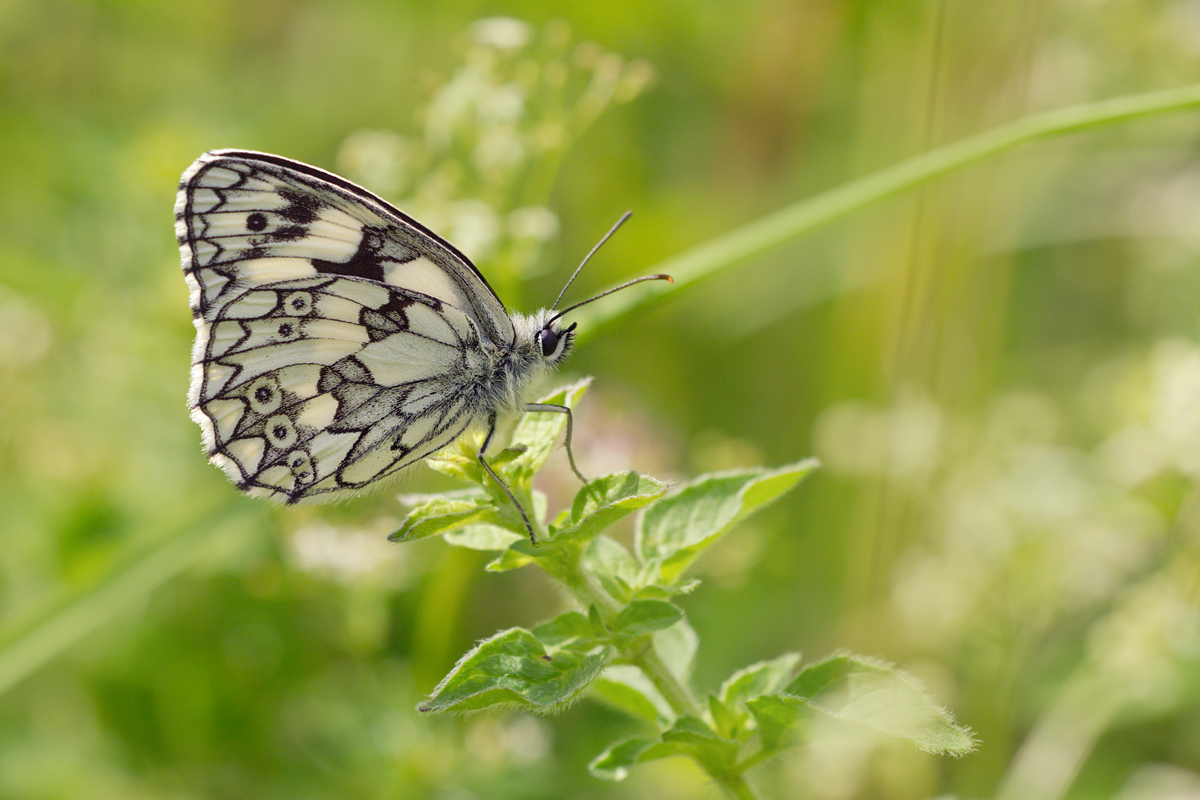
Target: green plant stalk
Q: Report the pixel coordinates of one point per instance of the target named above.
(587, 591)
(672, 688)
(796, 220)
(1081, 713)
(736, 785)
(749, 762)
(54, 628)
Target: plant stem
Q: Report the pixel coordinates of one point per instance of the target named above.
(726, 250)
(736, 785)
(587, 591)
(595, 592)
(27, 645)
(673, 690)
(681, 700)
(1082, 711)
(746, 763)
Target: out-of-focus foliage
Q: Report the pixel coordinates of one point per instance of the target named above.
(1000, 371)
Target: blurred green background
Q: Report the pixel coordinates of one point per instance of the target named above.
(1000, 371)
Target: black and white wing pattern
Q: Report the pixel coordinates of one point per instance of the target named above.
(335, 336)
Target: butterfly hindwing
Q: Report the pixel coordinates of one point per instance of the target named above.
(333, 333)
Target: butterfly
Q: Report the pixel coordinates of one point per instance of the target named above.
(338, 340)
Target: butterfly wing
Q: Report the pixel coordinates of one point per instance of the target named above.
(334, 334)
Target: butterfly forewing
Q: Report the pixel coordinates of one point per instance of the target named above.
(236, 206)
(334, 334)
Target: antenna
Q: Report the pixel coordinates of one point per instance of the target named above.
(607, 292)
(587, 258)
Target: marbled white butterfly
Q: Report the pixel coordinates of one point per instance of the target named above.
(337, 339)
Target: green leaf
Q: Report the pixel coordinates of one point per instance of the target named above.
(596, 620)
(691, 737)
(506, 537)
(511, 558)
(505, 456)
(689, 730)
(877, 694)
(605, 500)
(728, 707)
(776, 716)
(687, 737)
(533, 439)
(513, 668)
(441, 515)
(566, 627)
(459, 461)
(538, 431)
(628, 688)
(765, 677)
(598, 505)
(612, 565)
(479, 536)
(414, 499)
(677, 529)
(647, 616)
(615, 762)
(666, 592)
(676, 646)
(730, 723)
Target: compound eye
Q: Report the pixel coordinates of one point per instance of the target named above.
(548, 339)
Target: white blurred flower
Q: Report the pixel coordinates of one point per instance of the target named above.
(25, 333)
(474, 228)
(452, 109)
(478, 171)
(1062, 71)
(499, 149)
(519, 740)
(502, 104)
(504, 33)
(379, 159)
(901, 441)
(1181, 22)
(1166, 207)
(533, 222)
(1174, 405)
(1017, 514)
(1133, 454)
(347, 555)
(1165, 435)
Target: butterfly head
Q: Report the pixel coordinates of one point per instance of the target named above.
(554, 341)
(549, 339)
(542, 342)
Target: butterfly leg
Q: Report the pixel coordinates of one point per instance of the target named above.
(570, 419)
(487, 440)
